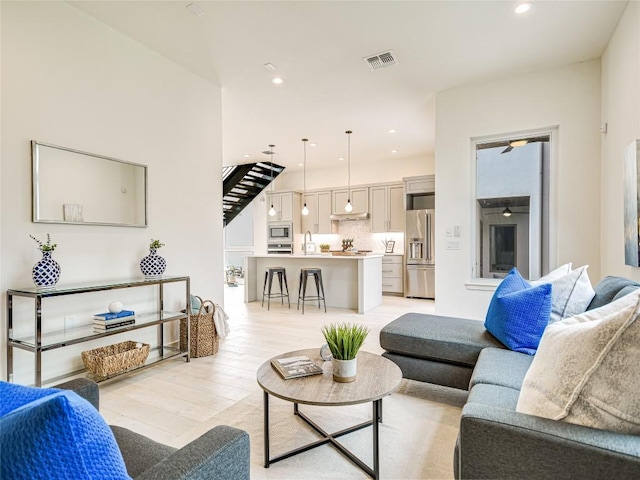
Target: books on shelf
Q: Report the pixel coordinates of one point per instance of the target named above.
(123, 314)
(104, 326)
(294, 367)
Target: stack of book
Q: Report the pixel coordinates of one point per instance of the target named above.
(107, 321)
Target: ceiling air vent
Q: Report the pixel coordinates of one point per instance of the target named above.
(381, 60)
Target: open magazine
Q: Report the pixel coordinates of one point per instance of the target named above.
(294, 367)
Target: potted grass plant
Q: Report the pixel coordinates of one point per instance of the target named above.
(344, 341)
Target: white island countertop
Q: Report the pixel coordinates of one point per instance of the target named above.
(350, 281)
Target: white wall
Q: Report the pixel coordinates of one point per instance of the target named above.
(69, 80)
(568, 97)
(621, 111)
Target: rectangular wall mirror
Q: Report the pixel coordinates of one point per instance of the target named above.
(70, 186)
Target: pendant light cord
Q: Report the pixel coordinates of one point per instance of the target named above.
(304, 171)
(348, 132)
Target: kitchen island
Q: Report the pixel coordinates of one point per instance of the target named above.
(353, 282)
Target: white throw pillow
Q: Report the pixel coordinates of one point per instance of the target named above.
(561, 271)
(587, 369)
(571, 293)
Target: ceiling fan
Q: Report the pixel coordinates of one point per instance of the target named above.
(522, 142)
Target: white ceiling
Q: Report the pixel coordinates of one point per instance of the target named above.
(318, 46)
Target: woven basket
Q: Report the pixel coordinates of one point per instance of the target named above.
(204, 338)
(113, 359)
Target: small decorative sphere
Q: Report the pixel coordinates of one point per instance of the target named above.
(115, 307)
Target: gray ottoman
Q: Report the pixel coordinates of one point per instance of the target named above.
(436, 349)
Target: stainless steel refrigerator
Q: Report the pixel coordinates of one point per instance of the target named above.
(420, 254)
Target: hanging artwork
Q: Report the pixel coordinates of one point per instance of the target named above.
(631, 205)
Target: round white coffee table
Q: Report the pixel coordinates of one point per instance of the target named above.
(377, 377)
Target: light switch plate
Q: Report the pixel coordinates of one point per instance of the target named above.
(453, 244)
(311, 247)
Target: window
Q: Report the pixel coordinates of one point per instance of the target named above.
(511, 206)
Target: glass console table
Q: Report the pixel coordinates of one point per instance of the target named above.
(38, 341)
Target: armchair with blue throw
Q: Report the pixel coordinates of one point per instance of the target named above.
(58, 433)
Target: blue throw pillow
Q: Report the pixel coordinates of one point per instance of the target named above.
(58, 436)
(13, 396)
(519, 313)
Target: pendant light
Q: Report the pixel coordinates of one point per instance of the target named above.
(507, 211)
(305, 210)
(348, 207)
(272, 211)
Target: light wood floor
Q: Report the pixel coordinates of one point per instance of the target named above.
(171, 401)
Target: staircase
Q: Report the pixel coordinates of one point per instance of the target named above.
(242, 183)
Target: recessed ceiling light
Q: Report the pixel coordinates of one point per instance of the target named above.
(340, 158)
(394, 151)
(300, 164)
(522, 8)
(313, 144)
(195, 9)
(277, 80)
(246, 155)
(393, 130)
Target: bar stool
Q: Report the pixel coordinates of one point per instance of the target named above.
(268, 279)
(302, 287)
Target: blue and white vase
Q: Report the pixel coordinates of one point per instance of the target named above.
(153, 265)
(46, 272)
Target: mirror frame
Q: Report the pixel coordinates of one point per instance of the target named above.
(35, 186)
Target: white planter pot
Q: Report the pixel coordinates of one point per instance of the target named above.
(344, 371)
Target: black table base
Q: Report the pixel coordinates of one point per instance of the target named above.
(329, 438)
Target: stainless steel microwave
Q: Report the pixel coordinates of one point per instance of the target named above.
(279, 232)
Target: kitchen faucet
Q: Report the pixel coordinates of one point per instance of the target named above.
(305, 240)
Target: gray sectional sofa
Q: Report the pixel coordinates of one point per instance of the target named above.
(495, 441)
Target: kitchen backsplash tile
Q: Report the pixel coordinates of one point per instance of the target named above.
(363, 239)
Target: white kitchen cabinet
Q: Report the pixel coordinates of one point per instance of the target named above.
(392, 274)
(286, 204)
(421, 184)
(386, 204)
(309, 222)
(359, 200)
(319, 205)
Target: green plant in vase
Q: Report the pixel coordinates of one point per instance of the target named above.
(344, 341)
(45, 247)
(46, 272)
(155, 244)
(153, 265)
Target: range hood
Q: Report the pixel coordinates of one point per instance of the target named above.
(348, 216)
